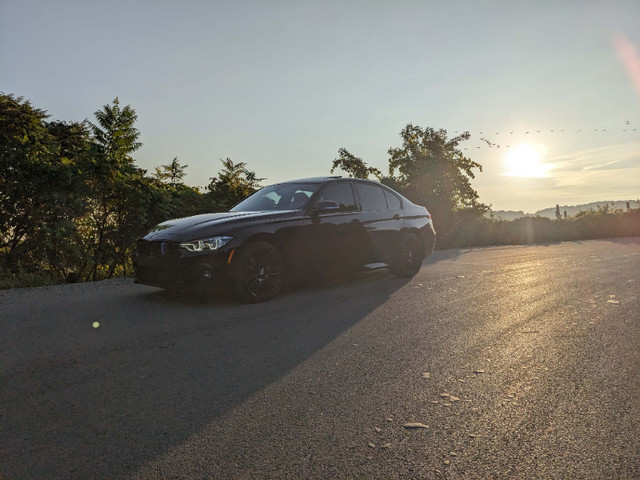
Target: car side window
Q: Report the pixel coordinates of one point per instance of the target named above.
(371, 197)
(393, 201)
(341, 194)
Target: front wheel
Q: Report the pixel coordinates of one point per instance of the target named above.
(258, 272)
(408, 258)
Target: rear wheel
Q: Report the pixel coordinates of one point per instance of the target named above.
(258, 272)
(408, 258)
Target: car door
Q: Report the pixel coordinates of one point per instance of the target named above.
(334, 228)
(382, 220)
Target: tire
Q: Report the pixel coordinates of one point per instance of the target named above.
(258, 272)
(409, 257)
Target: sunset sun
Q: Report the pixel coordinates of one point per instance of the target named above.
(525, 160)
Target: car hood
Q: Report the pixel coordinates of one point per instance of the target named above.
(199, 226)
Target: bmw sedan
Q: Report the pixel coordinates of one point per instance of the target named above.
(283, 230)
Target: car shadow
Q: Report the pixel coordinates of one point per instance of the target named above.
(102, 402)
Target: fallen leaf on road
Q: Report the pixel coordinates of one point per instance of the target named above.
(386, 445)
(453, 399)
(479, 371)
(415, 425)
(445, 395)
(426, 375)
(371, 445)
(613, 302)
(378, 429)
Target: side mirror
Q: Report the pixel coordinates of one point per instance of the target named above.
(326, 206)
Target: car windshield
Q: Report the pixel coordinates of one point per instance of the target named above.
(284, 196)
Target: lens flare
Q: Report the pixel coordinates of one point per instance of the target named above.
(629, 57)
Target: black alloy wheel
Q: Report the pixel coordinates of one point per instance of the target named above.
(409, 257)
(258, 272)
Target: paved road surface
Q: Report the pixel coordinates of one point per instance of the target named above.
(532, 356)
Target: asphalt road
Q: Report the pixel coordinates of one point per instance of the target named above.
(519, 362)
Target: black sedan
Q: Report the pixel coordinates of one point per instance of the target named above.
(283, 230)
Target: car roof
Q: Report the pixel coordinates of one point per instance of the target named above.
(311, 180)
(329, 178)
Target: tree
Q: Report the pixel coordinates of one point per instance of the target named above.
(431, 170)
(119, 199)
(233, 184)
(354, 166)
(115, 136)
(171, 174)
(172, 198)
(40, 188)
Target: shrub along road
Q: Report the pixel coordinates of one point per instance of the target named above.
(511, 362)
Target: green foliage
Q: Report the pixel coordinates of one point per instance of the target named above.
(353, 166)
(171, 197)
(118, 198)
(432, 171)
(592, 224)
(233, 184)
(171, 174)
(41, 189)
(115, 138)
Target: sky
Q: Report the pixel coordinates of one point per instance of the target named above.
(549, 90)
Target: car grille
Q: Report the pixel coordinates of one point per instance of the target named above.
(147, 248)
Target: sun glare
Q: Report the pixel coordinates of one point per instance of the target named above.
(524, 160)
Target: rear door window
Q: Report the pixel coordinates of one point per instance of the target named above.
(372, 197)
(392, 201)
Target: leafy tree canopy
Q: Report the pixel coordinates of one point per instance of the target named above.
(40, 185)
(171, 174)
(353, 166)
(432, 168)
(233, 184)
(115, 135)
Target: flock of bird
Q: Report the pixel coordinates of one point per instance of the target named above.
(628, 127)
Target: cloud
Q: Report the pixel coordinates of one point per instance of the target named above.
(610, 157)
(610, 167)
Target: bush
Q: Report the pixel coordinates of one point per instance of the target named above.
(592, 224)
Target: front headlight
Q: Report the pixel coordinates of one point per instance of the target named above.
(205, 244)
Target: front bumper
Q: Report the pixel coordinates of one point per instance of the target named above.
(163, 264)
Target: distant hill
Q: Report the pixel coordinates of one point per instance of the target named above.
(570, 209)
